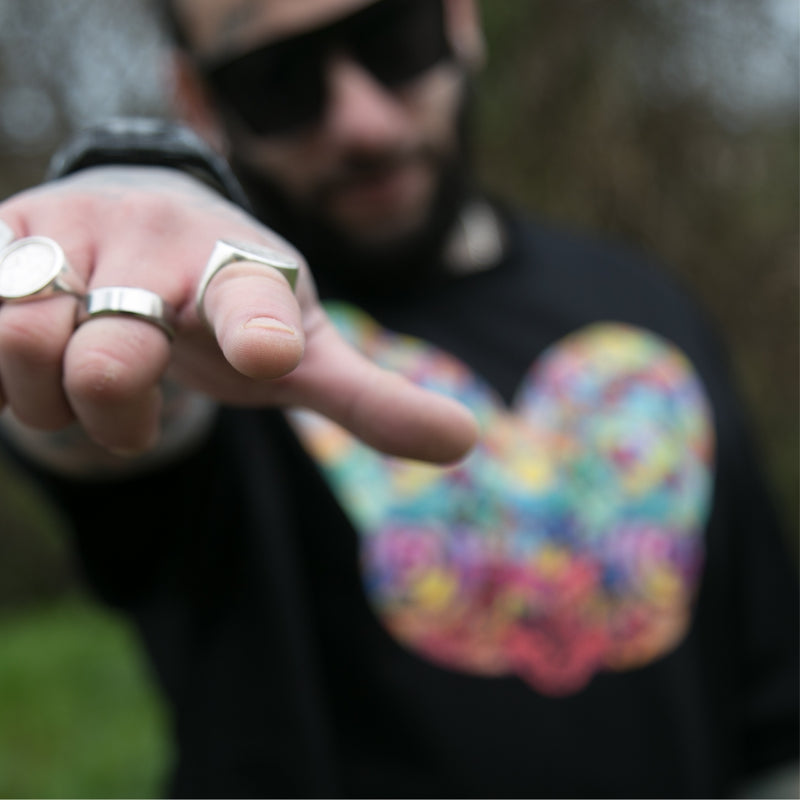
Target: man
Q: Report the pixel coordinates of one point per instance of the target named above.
(594, 602)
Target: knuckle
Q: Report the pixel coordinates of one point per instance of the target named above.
(100, 378)
(152, 213)
(108, 362)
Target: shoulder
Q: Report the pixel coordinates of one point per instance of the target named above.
(581, 254)
(598, 276)
(581, 277)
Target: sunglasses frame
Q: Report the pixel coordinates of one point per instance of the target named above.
(299, 96)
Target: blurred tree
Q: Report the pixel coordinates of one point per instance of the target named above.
(66, 64)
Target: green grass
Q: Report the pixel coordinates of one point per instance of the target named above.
(79, 716)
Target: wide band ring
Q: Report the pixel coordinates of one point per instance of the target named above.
(35, 268)
(227, 252)
(130, 301)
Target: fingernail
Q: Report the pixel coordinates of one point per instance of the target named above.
(271, 324)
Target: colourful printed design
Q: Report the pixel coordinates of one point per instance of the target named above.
(570, 540)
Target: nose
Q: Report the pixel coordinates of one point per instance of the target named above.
(361, 113)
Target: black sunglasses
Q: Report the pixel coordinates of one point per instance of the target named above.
(281, 88)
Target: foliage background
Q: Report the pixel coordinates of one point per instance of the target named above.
(670, 124)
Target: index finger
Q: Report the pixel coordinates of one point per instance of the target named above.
(264, 334)
(384, 409)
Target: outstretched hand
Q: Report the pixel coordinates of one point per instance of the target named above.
(155, 228)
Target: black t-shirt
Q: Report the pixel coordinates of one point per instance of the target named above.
(316, 636)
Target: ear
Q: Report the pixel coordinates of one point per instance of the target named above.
(464, 31)
(194, 105)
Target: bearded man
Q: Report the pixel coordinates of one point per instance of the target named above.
(586, 597)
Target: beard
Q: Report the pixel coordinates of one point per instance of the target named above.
(347, 265)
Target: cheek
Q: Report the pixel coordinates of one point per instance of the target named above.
(432, 103)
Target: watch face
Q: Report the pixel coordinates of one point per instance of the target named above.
(28, 266)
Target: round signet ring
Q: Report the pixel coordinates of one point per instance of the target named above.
(228, 252)
(129, 301)
(35, 268)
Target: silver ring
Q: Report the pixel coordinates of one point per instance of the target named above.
(228, 252)
(35, 268)
(130, 301)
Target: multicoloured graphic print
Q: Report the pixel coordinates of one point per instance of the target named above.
(569, 542)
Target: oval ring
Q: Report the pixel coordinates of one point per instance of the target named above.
(130, 301)
(35, 268)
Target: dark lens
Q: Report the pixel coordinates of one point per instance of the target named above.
(275, 90)
(280, 88)
(398, 40)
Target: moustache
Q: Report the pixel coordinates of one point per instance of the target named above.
(359, 168)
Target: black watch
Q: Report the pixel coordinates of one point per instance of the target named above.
(147, 142)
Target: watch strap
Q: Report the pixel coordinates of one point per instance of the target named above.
(145, 141)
